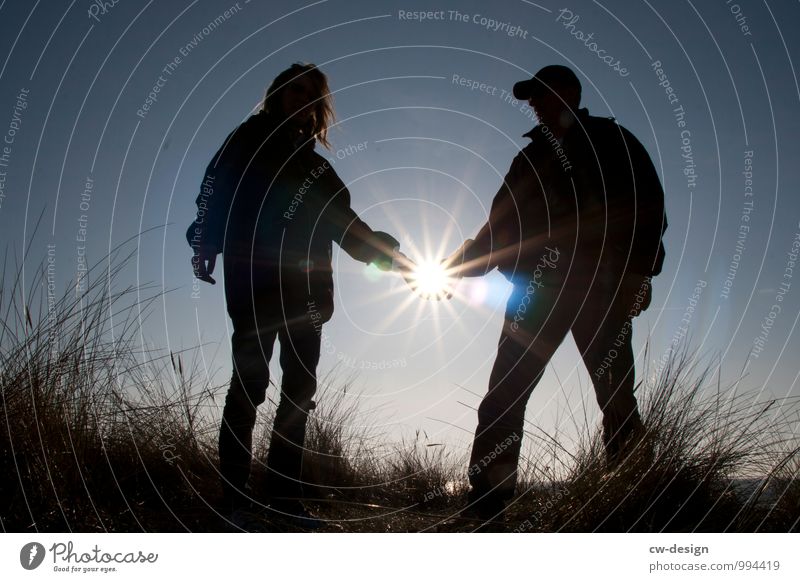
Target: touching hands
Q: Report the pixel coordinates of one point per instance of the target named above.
(453, 267)
(428, 279)
(405, 266)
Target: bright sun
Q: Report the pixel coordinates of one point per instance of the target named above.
(431, 278)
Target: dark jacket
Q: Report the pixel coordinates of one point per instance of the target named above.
(595, 194)
(273, 207)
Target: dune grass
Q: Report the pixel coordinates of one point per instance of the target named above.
(712, 460)
(99, 435)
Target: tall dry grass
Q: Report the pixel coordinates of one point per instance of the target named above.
(712, 459)
(97, 435)
(100, 434)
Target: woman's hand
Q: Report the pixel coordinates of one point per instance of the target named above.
(203, 262)
(405, 266)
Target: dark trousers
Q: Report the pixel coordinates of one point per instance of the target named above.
(597, 309)
(255, 328)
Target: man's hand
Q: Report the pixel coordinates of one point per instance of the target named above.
(203, 262)
(428, 279)
(452, 269)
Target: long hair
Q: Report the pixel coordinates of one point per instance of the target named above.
(322, 106)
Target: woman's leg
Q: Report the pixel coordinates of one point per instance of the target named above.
(300, 351)
(252, 343)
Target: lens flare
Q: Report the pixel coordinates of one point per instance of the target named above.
(431, 279)
(372, 273)
(477, 292)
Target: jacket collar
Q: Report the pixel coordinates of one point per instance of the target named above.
(285, 133)
(581, 114)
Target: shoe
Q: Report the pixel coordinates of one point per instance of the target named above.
(234, 498)
(250, 520)
(477, 517)
(294, 513)
(489, 517)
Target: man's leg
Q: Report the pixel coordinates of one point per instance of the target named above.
(300, 351)
(603, 334)
(252, 343)
(535, 325)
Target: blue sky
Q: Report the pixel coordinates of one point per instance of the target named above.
(709, 88)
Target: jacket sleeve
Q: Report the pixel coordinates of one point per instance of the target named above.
(216, 191)
(354, 235)
(498, 239)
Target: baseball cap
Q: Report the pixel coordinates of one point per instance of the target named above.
(544, 81)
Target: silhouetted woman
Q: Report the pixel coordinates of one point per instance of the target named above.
(272, 206)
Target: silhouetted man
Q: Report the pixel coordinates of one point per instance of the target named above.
(577, 228)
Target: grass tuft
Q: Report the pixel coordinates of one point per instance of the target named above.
(101, 435)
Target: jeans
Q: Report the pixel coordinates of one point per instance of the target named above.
(256, 325)
(597, 307)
